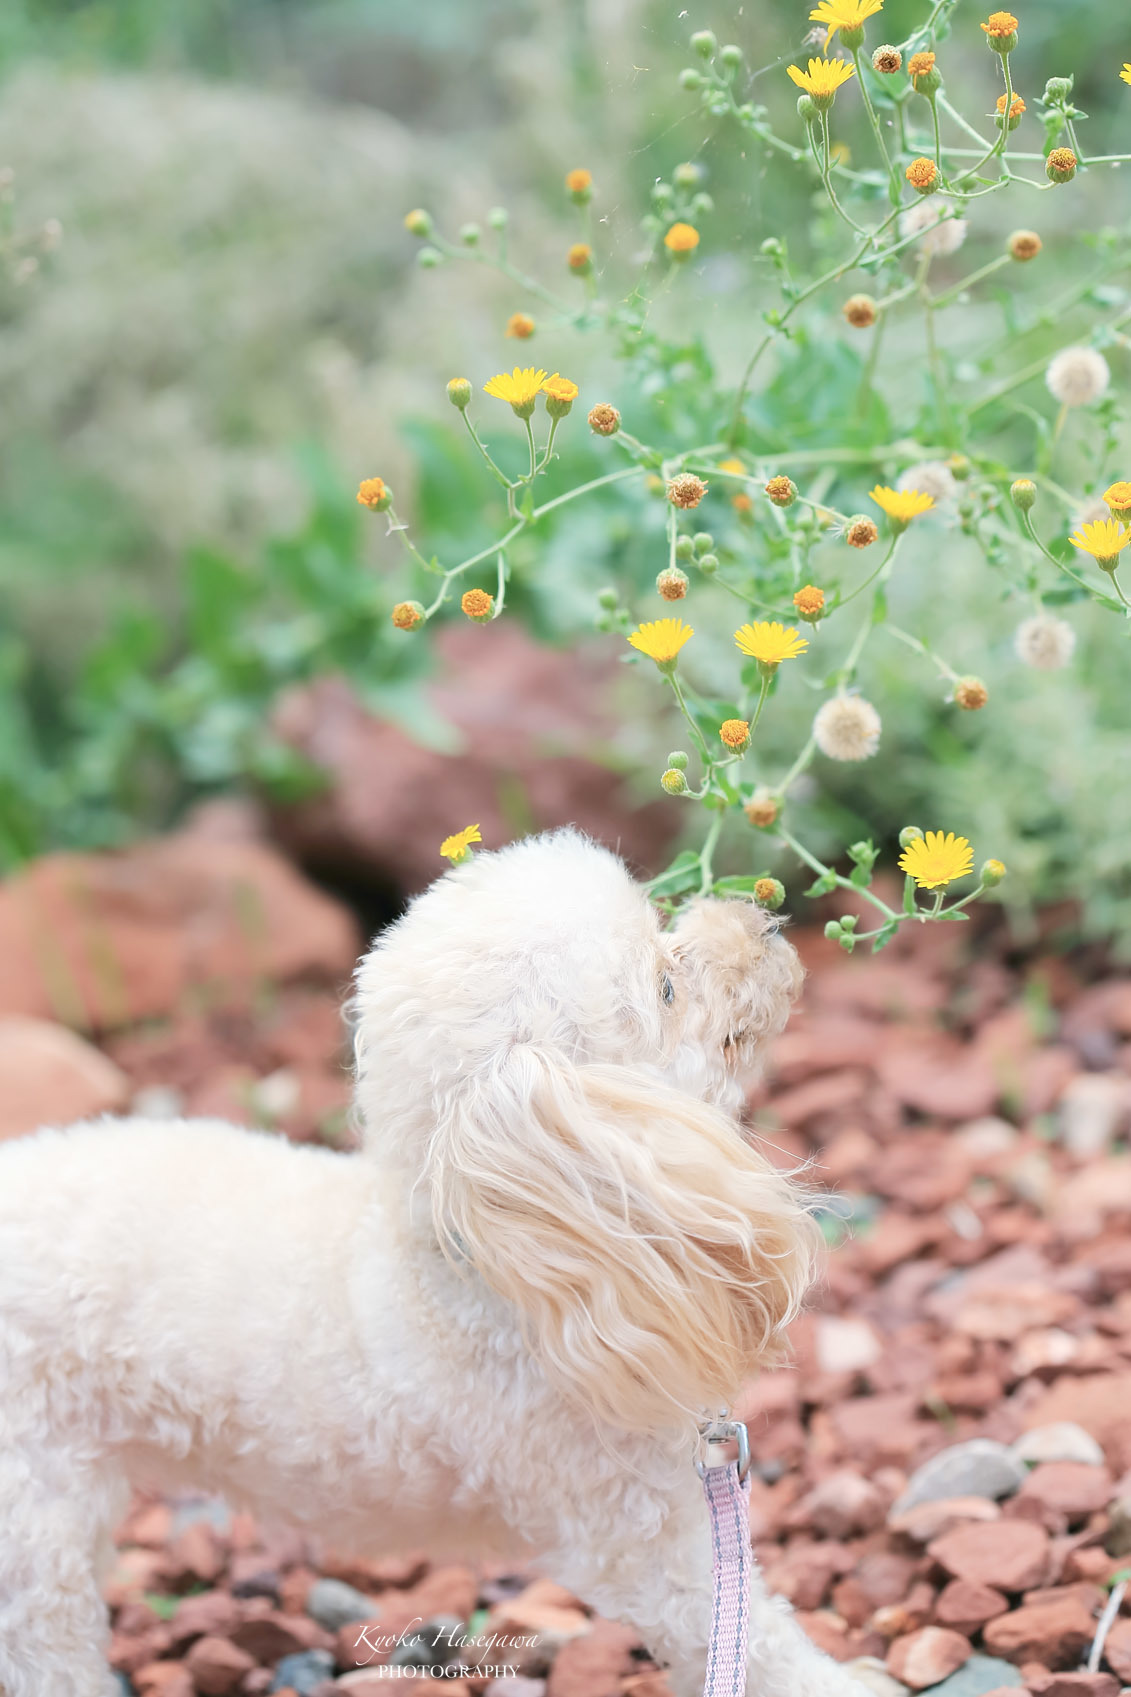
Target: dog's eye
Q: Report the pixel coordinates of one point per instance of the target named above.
(666, 990)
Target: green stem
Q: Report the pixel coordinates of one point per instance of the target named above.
(707, 855)
(872, 576)
(875, 123)
(686, 711)
(951, 294)
(496, 470)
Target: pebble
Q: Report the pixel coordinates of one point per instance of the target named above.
(925, 1657)
(333, 1604)
(980, 1467)
(982, 1676)
(304, 1672)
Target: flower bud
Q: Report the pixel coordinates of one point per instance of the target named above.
(406, 615)
(673, 781)
(690, 79)
(418, 222)
(428, 258)
(687, 175)
(971, 694)
(1016, 112)
(684, 548)
(672, 583)
(887, 60)
(374, 492)
(923, 175)
(478, 605)
(607, 598)
(810, 603)
(992, 874)
(807, 109)
(579, 183)
(1024, 245)
(1023, 492)
(459, 392)
(1060, 166)
(762, 809)
(926, 79)
(782, 491)
(677, 760)
(731, 56)
(498, 218)
(702, 204)
(705, 43)
(773, 247)
(1001, 32)
(833, 930)
(1057, 89)
(769, 892)
(604, 420)
(702, 542)
(708, 564)
(580, 259)
(860, 311)
(909, 834)
(469, 235)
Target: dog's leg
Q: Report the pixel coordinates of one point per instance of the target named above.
(55, 1515)
(649, 1564)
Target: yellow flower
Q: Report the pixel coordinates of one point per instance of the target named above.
(823, 78)
(1118, 497)
(770, 643)
(478, 605)
(374, 492)
(661, 640)
(578, 181)
(844, 15)
(935, 860)
(1017, 105)
(520, 325)
(810, 601)
(457, 848)
(1103, 539)
(920, 64)
(733, 465)
(580, 258)
(681, 240)
(1000, 24)
(521, 388)
(735, 733)
(922, 174)
(560, 388)
(901, 505)
(1125, 73)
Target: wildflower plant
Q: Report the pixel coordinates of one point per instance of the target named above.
(969, 454)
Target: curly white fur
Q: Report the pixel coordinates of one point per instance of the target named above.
(498, 1323)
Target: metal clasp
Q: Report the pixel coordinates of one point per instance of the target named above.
(717, 1432)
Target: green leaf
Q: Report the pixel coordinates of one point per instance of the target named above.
(884, 936)
(743, 886)
(824, 886)
(909, 888)
(682, 875)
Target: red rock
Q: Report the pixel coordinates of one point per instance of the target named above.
(843, 1505)
(149, 1524)
(132, 1650)
(1010, 1555)
(826, 1043)
(209, 1614)
(1073, 1685)
(217, 1667)
(1055, 1632)
(966, 1607)
(938, 1075)
(896, 1620)
(829, 1094)
(1098, 1402)
(828, 1632)
(135, 1573)
(271, 1635)
(1071, 1488)
(656, 1684)
(53, 1077)
(927, 1521)
(595, 1665)
(131, 934)
(447, 1591)
(163, 1679)
(1002, 1315)
(1117, 1650)
(925, 1657)
(515, 704)
(387, 1573)
(196, 1556)
(803, 1573)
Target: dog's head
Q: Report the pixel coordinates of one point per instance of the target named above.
(557, 1069)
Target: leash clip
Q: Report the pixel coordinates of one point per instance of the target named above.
(713, 1434)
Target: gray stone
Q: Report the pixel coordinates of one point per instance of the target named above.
(874, 1677)
(303, 1672)
(980, 1467)
(980, 1674)
(1062, 1441)
(334, 1604)
(435, 1644)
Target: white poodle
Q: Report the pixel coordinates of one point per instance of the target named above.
(498, 1324)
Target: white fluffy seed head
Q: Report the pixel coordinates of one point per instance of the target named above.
(941, 235)
(932, 477)
(847, 728)
(1077, 376)
(1045, 643)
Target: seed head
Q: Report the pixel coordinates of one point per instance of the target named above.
(887, 60)
(861, 532)
(782, 491)
(1077, 376)
(520, 325)
(604, 420)
(860, 311)
(672, 583)
(406, 615)
(1044, 643)
(686, 490)
(1025, 245)
(762, 809)
(847, 728)
(971, 693)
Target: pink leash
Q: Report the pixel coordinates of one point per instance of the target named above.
(726, 1485)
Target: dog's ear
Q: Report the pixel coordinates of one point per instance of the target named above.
(653, 1255)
